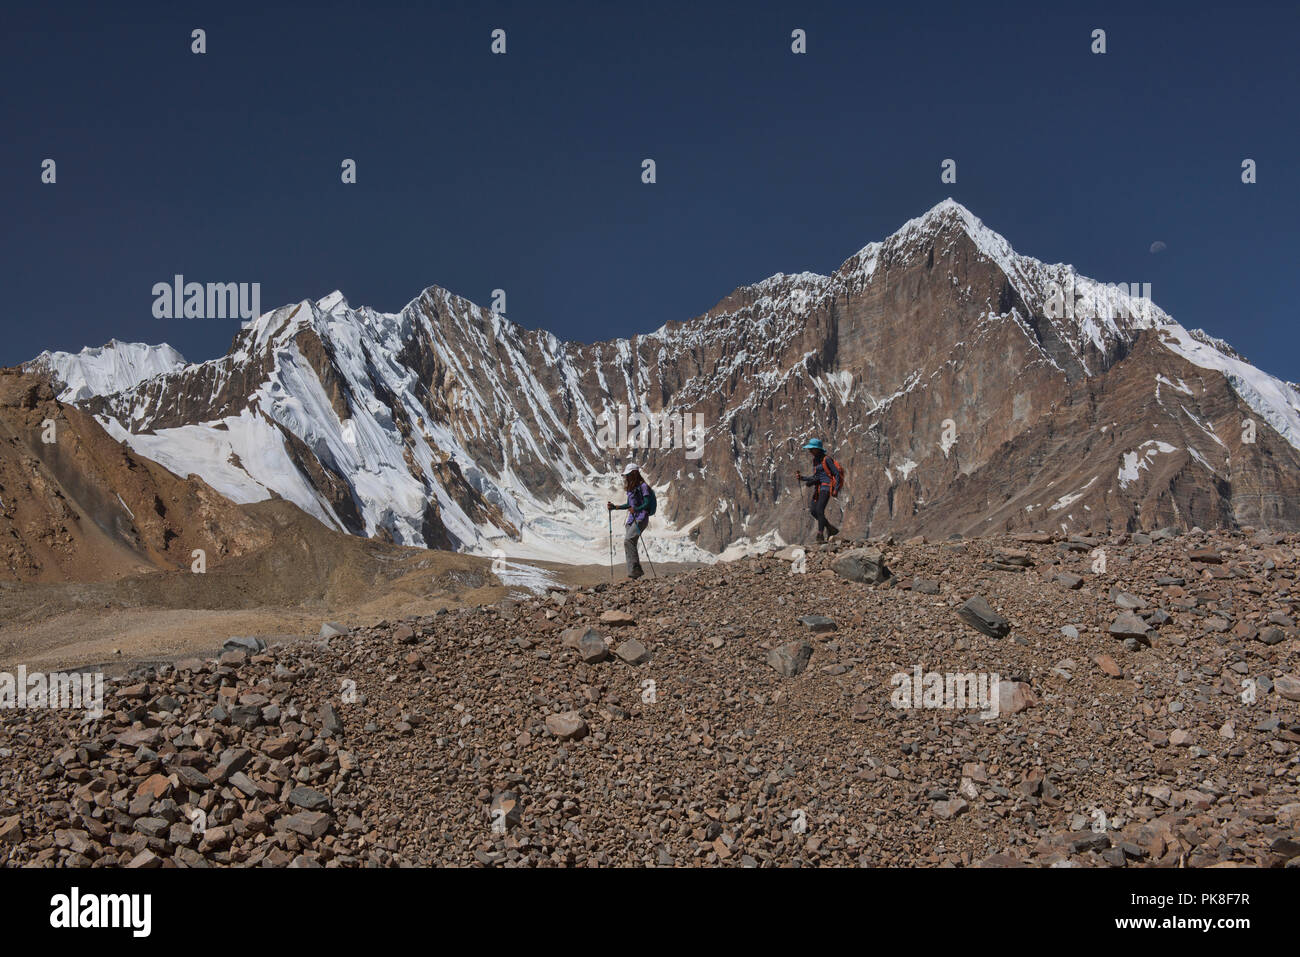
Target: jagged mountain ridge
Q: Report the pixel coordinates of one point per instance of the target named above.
(957, 396)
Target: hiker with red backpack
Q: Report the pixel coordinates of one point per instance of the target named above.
(641, 504)
(826, 480)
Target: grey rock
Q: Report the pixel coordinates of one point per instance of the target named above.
(232, 760)
(632, 651)
(246, 716)
(1127, 601)
(249, 645)
(309, 799)
(865, 565)
(329, 720)
(151, 826)
(1129, 625)
(979, 614)
(817, 623)
(1288, 686)
(1272, 636)
(592, 647)
(193, 778)
(311, 824)
(1089, 842)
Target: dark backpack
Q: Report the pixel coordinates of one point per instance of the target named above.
(651, 502)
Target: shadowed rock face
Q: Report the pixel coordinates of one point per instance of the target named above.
(936, 364)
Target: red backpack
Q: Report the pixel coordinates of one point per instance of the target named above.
(837, 475)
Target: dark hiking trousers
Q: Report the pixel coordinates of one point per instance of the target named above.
(818, 509)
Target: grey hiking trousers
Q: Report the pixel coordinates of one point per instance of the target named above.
(630, 537)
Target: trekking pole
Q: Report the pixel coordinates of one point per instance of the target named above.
(653, 570)
(610, 515)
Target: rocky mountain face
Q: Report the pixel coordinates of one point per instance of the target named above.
(965, 388)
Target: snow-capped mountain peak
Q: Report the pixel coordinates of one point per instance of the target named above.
(924, 358)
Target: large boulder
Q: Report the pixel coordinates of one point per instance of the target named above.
(862, 565)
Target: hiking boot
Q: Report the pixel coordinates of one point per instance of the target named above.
(636, 573)
(820, 537)
(832, 533)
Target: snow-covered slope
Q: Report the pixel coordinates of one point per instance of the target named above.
(1275, 401)
(106, 369)
(450, 458)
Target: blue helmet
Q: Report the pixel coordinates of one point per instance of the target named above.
(814, 444)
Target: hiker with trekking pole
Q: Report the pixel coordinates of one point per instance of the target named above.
(641, 504)
(826, 480)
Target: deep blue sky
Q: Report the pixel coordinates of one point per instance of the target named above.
(523, 171)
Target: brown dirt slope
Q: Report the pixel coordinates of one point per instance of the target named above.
(1150, 719)
(304, 575)
(83, 507)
